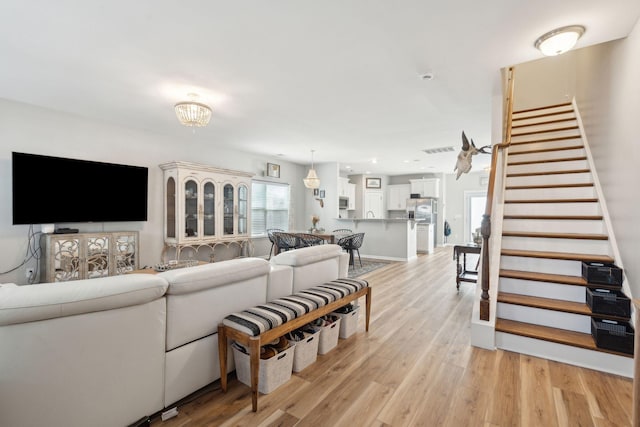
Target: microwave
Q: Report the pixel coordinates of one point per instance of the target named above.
(343, 203)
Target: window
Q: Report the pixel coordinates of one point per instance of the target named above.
(475, 202)
(269, 207)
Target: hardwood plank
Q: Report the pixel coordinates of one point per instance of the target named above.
(531, 187)
(578, 236)
(557, 255)
(536, 397)
(560, 172)
(572, 409)
(560, 129)
(547, 122)
(547, 150)
(587, 200)
(556, 113)
(557, 138)
(504, 404)
(560, 217)
(557, 160)
(545, 107)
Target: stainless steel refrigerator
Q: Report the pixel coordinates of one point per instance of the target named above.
(424, 210)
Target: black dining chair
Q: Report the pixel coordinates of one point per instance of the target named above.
(351, 244)
(343, 230)
(272, 239)
(305, 240)
(285, 241)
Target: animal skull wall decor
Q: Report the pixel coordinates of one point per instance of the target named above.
(463, 164)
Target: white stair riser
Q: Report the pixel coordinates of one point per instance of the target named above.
(550, 193)
(597, 360)
(532, 121)
(555, 225)
(543, 289)
(541, 265)
(540, 316)
(536, 126)
(547, 179)
(549, 167)
(582, 208)
(518, 137)
(577, 246)
(546, 155)
(537, 112)
(561, 143)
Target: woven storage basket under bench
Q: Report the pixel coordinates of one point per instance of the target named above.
(267, 322)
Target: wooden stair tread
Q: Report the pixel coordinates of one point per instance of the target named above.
(557, 160)
(558, 255)
(546, 333)
(537, 116)
(557, 138)
(543, 234)
(528, 187)
(563, 306)
(547, 122)
(547, 150)
(587, 200)
(545, 107)
(562, 172)
(553, 278)
(536, 132)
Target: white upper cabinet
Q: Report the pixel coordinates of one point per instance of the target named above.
(351, 194)
(397, 196)
(429, 187)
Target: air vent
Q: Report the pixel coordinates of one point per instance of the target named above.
(438, 150)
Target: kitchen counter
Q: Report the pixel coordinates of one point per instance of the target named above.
(385, 238)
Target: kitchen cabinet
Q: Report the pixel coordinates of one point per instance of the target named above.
(397, 196)
(373, 207)
(426, 187)
(351, 194)
(78, 256)
(205, 206)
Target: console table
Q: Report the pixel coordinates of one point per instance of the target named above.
(462, 274)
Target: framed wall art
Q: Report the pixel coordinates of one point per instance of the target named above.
(374, 183)
(273, 170)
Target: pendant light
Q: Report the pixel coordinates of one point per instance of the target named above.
(312, 180)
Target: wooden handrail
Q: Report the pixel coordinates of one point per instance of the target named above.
(485, 227)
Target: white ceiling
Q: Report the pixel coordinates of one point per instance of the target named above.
(287, 76)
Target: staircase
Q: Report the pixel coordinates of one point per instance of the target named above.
(552, 222)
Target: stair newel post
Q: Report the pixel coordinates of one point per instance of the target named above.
(485, 229)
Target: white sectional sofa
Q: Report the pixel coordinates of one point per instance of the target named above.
(112, 351)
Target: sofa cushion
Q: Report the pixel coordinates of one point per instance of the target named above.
(198, 278)
(257, 320)
(29, 303)
(304, 256)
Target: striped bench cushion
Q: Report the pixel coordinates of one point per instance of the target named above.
(254, 321)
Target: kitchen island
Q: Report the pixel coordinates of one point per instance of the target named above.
(392, 239)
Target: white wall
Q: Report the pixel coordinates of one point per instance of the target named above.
(604, 80)
(455, 192)
(36, 130)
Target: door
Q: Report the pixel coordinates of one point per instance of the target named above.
(475, 203)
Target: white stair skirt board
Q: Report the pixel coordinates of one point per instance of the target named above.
(599, 361)
(555, 225)
(569, 208)
(559, 193)
(543, 289)
(567, 165)
(578, 246)
(565, 178)
(540, 316)
(546, 155)
(541, 265)
(558, 143)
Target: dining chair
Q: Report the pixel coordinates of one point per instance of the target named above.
(272, 239)
(351, 244)
(343, 230)
(285, 241)
(305, 240)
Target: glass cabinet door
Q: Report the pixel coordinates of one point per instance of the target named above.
(191, 208)
(124, 248)
(243, 196)
(228, 209)
(209, 219)
(170, 208)
(97, 251)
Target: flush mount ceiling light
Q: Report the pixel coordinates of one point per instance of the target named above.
(312, 180)
(192, 113)
(559, 40)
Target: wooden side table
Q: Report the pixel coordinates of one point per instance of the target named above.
(462, 274)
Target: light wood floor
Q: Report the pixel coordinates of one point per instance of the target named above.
(416, 367)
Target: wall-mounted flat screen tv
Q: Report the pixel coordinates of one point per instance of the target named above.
(51, 190)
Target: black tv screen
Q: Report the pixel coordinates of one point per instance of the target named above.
(50, 190)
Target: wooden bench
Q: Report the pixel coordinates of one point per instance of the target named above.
(251, 329)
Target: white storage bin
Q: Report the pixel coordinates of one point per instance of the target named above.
(348, 322)
(328, 337)
(274, 371)
(306, 351)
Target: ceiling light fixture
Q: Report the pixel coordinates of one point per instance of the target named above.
(192, 113)
(560, 40)
(312, 180)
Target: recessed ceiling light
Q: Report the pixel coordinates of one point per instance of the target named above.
(427, 76)
(374, 161)
(560, 40)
